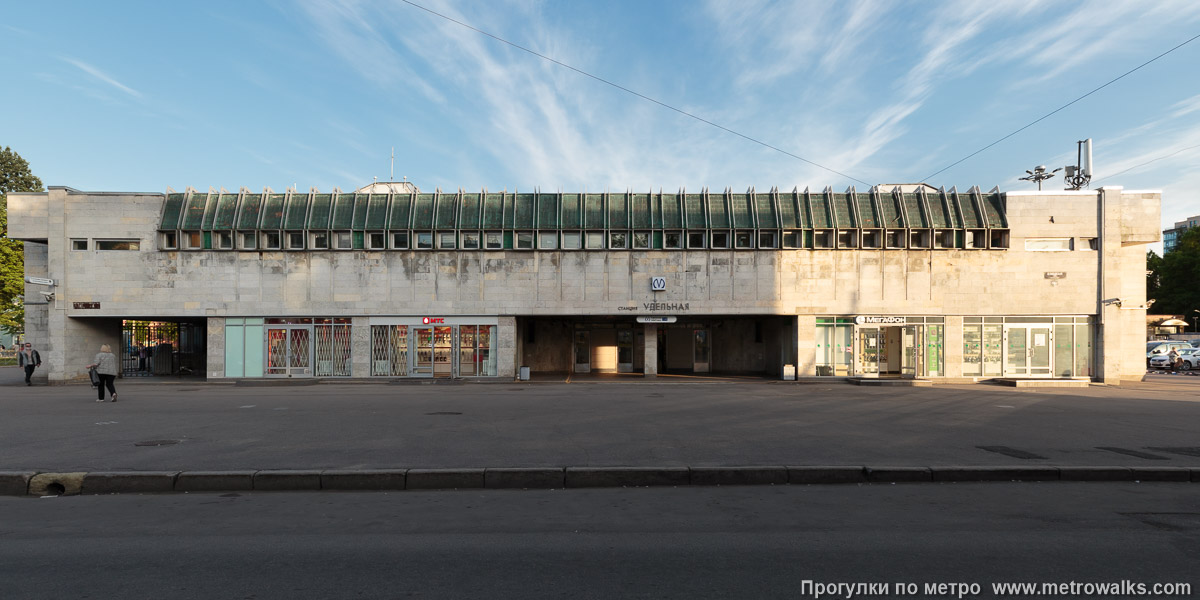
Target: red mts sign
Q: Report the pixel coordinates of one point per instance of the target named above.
(432, 320)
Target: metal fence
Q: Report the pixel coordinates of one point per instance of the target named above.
(152, 348)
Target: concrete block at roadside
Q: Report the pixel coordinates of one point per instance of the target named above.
(579, 477)
(129, 482)
(215, 481)
(1161, 473)
(815, 475)
(899, 474)
(444, 479)
(364, 479)
(1031, 473)
(56, 484)
(287, 480)
(525, 478)
(739, 475)
(15, 483)
(1095, 474)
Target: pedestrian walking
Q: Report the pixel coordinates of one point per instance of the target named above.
(1173, 358)
(30, 359)
(106, 368)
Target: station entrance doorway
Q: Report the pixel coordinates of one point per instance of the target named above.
(890, 351)
(684, 349)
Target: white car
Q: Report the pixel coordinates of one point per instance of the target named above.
(1190, 357)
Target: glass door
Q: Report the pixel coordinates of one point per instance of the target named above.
(624, 350)
(913, 355)
(443, 351)
(869, 348)
(423, 358)
(702, 350)
(1027, 351)
(468, 359)
(583, 352)
(289, 351)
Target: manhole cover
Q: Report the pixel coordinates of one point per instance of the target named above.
(444, 413)
(157, 443)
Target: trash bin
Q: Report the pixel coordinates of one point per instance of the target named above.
(789, 372)
(524, 376)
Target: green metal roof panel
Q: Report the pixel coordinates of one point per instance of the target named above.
(401, 210)
(693, 211)
(360, 212)
(172, 209)
(226, 212)
(468, 212)
(740, 205)
(343, 211)
(672, 211)
(572, 216)
(319, 211)
(718, 215)
(994, 207)
(913, 211)
(423, 212)
(642, 211)
(296, 211)
(377, 206)
(843, 215)
(970, 210)
(891, 210)
(493, 211)
(618, 211)
(789, 216)
(193, 213)
(939, 210)
(547, 211)
(866, 212)
(767, 218)
(818, 205)
(251, 209)
(210, 211)
(593, 211)
(447, 212)
(510, 211)
(272, 217)
(524, 211)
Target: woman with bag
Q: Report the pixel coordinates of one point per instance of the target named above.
(106, 368)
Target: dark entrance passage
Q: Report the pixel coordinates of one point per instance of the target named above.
(150, 348)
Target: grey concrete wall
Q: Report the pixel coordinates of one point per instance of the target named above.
(551, 348)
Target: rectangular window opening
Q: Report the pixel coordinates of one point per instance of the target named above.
(295, 240)
(272, 240)
(376, 241)
(673, 240)
(743, 240)
(720, 240)
(1048, 244)
(470, 240)
(447, 240)
(823, 238)
(493, 240)
(595, 240)
(424, 240)
(524, 240)
(170, 241)
(695, 240)
(918, 240)
(847, 238)
(249, 240)
(895, 238)
(118, 245)
(872, 239)
(1089, 243)
(766, 239)
(82, 244)
(225, 240)
(548, 240)
(641, 240)
(572, 240)
(318, 240)
(618, 240)
(399, 240)
(999, 239)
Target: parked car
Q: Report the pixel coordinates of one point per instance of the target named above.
(1190, 358)
(1162, 347)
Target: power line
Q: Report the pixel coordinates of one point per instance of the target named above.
(1147, 162)
(627, 90)
(1064, 106)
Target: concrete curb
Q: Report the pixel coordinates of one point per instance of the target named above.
(32, 483)
(129, 482)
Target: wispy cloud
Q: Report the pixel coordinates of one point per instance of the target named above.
(102, 76)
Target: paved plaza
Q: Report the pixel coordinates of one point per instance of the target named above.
(181, 425)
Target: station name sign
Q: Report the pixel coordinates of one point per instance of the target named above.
(664, 306)
(86, 305)
(864, 320)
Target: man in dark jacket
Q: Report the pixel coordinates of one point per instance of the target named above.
(30, 359)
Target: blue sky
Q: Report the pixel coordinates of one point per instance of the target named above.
(139, 96)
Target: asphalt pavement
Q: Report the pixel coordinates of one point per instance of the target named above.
(179, 426)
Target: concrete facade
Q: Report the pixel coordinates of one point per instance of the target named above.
(552, 291)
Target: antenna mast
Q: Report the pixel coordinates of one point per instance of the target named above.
(392, 169)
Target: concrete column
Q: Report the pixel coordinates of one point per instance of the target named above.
(360, 347)
(506, 347)
(952, 346)
(214, 360)
(651, 358)
(806, 346)
(1108, 331)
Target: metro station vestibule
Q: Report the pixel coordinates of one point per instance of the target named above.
(741, 345)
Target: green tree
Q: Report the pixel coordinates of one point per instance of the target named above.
(1177, 274)
(15, 176)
